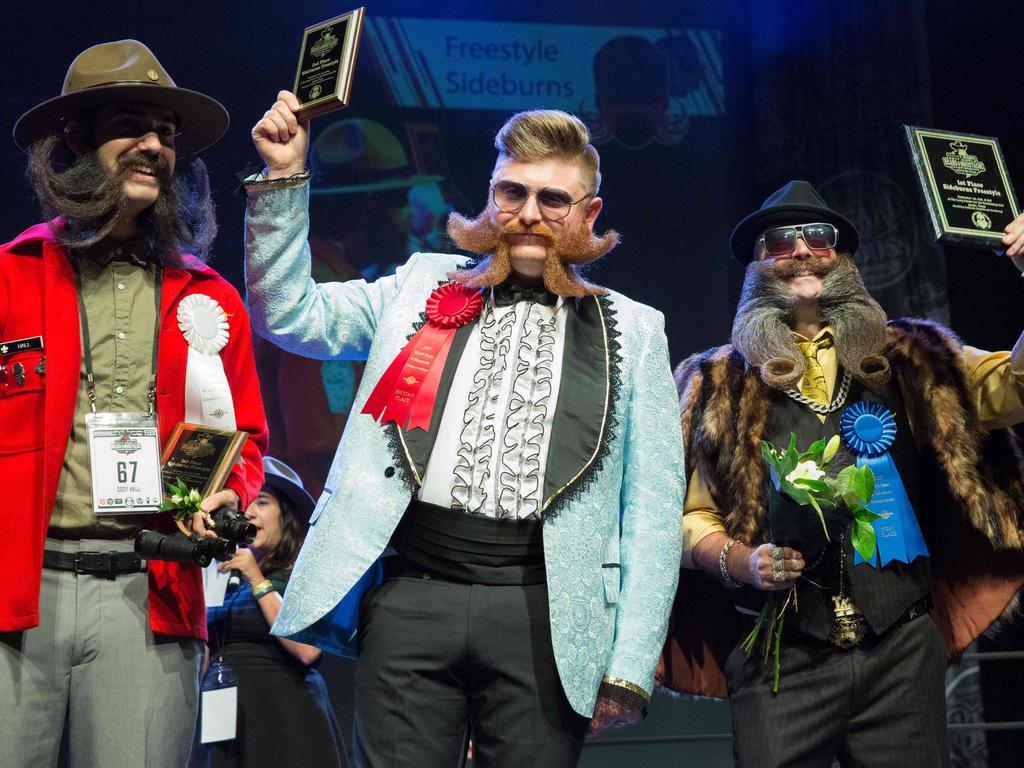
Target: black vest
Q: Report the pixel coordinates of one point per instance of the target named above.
(883, 594)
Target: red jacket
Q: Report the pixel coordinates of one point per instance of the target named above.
(38, 298)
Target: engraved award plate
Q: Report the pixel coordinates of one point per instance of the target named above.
(966, 188)
(327, 62)
(201, 457)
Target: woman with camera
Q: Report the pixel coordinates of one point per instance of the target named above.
(284, 715)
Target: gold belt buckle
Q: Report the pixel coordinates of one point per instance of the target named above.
(848, 624)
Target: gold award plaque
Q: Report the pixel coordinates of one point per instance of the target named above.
(201, 457)
(327, 62)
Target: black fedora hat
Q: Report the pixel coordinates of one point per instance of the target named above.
(795, 203)
(285, 482)
(121, 72)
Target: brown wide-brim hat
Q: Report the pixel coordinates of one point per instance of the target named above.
(124, 71)
(795, 203)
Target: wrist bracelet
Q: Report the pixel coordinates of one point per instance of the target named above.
(728, 580)
(263, 588)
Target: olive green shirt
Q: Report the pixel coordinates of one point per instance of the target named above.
(118, 293)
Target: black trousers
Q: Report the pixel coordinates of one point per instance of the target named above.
(441, 662)
(880, 705)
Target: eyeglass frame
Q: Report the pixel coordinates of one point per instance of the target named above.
(534, 193)
(799, 236)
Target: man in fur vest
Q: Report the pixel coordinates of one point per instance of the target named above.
(848, 657)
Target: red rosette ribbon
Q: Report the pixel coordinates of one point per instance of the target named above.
(407, 391)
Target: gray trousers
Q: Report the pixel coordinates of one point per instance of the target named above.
(882, 705)
(129, 697)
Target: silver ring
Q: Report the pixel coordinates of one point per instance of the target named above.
(778, 555)
(778, 571)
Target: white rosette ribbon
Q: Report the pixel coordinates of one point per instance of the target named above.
(207, 394)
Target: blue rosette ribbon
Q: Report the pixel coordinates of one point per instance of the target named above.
(869, 430)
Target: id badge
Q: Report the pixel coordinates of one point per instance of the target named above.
(124, 456)
(218, 704)
(218, 715)
(215, 585)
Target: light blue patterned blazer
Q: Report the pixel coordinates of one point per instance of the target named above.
(614, 482)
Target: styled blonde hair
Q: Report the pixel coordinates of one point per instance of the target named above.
(543, 133)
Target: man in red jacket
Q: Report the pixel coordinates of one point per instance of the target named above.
(106, 318)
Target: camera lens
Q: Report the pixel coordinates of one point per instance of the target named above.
(233, 526)
(178, 548)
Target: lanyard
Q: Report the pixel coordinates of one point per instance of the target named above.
(87, 345)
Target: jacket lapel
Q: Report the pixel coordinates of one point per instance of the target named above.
(175, 280)
(63, 350)
(584, 399)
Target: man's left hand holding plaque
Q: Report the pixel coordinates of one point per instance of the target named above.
(201, 458)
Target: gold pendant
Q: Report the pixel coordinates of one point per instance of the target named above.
(848, 626)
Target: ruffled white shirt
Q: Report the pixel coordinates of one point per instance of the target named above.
(493, 438)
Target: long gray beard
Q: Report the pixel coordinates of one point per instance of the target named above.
(761, 330)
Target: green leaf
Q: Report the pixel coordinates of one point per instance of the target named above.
(863, 513)
(869, 482)
(792, 456)
(796, 493)
(821, 516)
(852, 500)
(864, 539)
(864, 483)
(768, 454)
(814, 451)
(841, 483)
(815, 485)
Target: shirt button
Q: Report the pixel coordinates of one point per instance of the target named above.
(120, 334)
(119, 390)
(120, 286)
(389, 472)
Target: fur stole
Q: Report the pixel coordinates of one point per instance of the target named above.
(725, 405)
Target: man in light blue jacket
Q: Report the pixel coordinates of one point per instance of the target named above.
(499, 535)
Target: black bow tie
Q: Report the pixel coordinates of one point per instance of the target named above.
(507, 294)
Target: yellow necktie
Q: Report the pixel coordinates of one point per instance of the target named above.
(814, 384)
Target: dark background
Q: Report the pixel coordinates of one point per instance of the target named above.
(816, 90)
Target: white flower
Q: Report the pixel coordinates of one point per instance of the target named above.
(176, 498)
(805, 470)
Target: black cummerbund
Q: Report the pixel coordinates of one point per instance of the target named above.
(471, 549)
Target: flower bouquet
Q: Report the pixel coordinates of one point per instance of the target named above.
(801, 483)
(802, 477)
(183, 503)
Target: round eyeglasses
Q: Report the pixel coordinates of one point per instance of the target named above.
(553, 204)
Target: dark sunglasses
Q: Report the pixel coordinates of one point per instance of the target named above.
(781, 241)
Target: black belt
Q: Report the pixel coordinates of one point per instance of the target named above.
(918, 609)
(106, 564)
